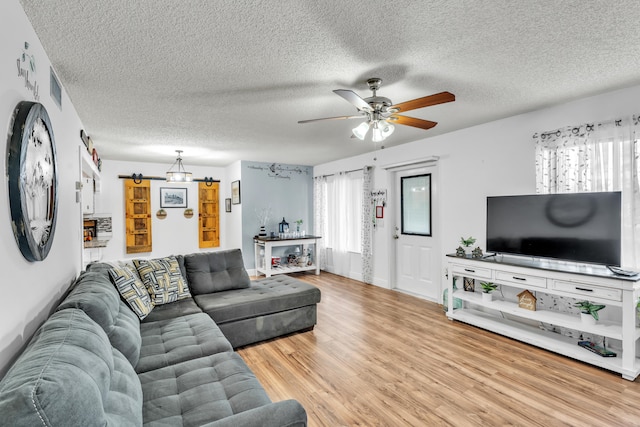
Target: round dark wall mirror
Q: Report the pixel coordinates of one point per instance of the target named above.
(32, 179)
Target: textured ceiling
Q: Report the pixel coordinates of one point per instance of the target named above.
(228, 80)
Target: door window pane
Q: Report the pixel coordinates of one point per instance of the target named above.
(416, 204)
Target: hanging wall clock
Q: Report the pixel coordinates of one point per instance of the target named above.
(33, 180)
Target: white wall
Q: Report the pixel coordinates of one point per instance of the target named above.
(495, 158)
(173, 235)
(30, 290)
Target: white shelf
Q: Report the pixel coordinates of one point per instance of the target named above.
(267, 244)
(566, 320)
(508, 319)
(287, 269)
(544, 339)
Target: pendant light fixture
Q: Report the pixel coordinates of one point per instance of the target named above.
(178, 175)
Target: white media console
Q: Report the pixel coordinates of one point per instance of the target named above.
(504, 316)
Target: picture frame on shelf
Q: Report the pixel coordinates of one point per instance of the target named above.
(227, 205)
(173, 197)
(235, 192)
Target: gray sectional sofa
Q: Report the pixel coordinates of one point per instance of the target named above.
(100, 359)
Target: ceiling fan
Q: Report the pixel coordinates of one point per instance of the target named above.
(381, 114)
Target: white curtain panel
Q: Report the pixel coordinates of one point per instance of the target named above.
(367, 225)
(320, 219)
(595, 157)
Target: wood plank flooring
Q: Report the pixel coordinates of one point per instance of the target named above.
(382, 358)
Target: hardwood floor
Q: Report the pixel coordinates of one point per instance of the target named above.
(382, 358)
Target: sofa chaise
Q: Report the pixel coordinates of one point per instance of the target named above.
(111, 355)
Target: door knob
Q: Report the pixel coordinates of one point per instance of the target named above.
(395, 236)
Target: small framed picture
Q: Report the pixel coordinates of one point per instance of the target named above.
(173, 197)
(379, 211)
(235, 192)
(227, 205)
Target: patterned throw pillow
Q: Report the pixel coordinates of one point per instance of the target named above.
(132, 290)
(163, 279)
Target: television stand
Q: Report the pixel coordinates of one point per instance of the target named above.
(505, 317)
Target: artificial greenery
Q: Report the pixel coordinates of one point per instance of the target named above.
(467, 242)
(588, 308)
(488, 287)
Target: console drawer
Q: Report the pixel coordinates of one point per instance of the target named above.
(467, 271)
(582, 289)
(521, 279)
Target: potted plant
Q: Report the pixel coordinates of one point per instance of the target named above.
(467, 243)
(299, 223)
(589, 311)
(487, 288)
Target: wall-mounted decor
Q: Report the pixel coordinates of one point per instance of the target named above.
(161, 214)
(235, 192)
(27, 70)
(173, 197)
(379, 212)
(33, 180)
(227, 205)
(188, 213)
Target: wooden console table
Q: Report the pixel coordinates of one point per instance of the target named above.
(505, 317)
(268, 243)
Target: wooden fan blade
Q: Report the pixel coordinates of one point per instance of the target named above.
(411, 121)
(425, 101)
(331, 118)
(354, 99)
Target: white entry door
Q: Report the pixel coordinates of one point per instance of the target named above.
(416, 252)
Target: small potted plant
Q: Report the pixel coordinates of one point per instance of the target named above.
(589, 311)
(299, 223)
(487, 288)
(467, 243)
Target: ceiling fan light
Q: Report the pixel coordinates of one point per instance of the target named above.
(377, 135)
(361, 130)
(387, 129)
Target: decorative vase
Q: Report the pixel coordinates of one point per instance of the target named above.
(457, 302)
(263, 231)
(587, 319)
(487, 296)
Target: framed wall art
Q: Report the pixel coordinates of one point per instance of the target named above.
(33, 180)
(173, 197)
(227, 205)
(235, 192)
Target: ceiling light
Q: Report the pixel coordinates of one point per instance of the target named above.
(361, 131)
(381, 130)
(178, 175)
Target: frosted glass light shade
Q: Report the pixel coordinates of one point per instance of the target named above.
(361, 131)
(179, 177)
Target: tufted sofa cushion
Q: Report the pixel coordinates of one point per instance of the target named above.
(70, 375)
(264, 296)
(97, 296)
(171, 341)
(216, 271)
(183, 307)
(201, 390)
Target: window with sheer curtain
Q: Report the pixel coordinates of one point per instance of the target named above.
(596, 157)
(344, 212)
(338, 206)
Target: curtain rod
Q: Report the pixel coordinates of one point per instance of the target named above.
(590, 127)
(352, 170)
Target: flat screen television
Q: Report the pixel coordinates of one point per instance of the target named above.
(580, 227)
